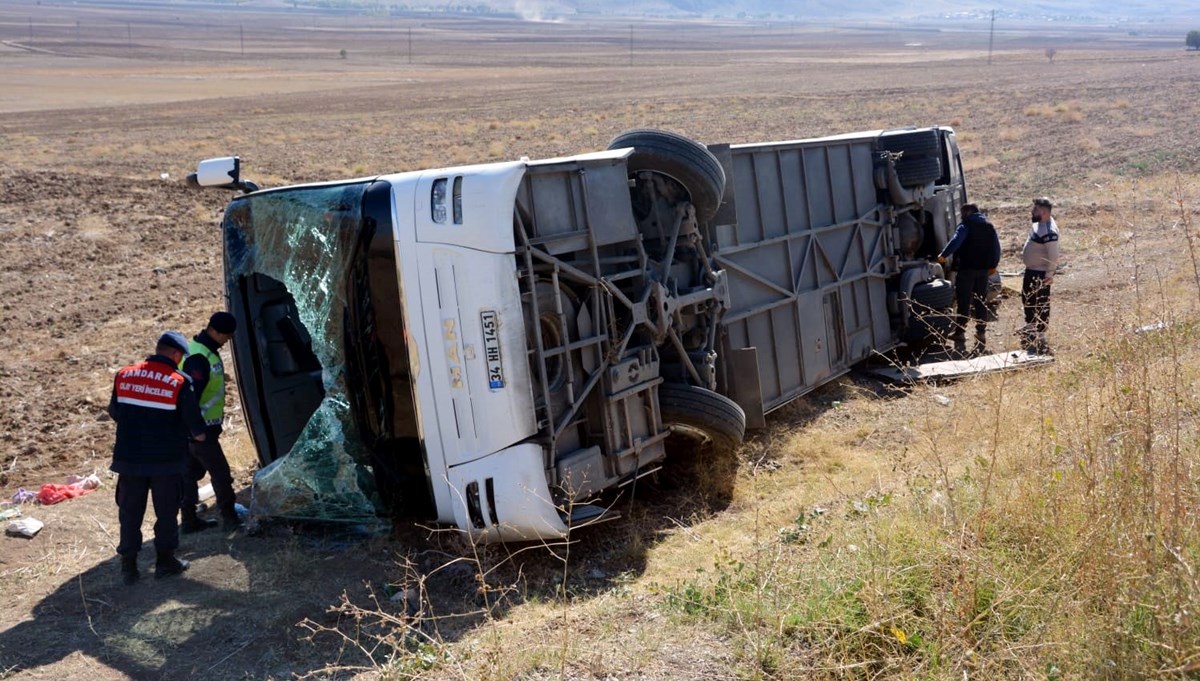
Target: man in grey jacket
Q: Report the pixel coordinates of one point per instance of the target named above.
(1040, 255)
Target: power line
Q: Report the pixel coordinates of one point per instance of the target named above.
(991, 37)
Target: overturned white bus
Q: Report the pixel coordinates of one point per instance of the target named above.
(494, 346)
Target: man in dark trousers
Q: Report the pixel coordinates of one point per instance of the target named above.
(1040, 255)
(207, 372)
(976, 248)
(155, 410)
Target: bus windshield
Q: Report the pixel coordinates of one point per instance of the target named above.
(289, 254)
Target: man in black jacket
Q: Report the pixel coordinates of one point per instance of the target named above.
(155, 410)
(207, 373)
(978, 253)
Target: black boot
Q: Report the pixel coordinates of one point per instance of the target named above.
(1028, 334)
(129, 569)
(959, 338)
(191, 523)
(980, 348)
(230, 520)
(167, 565)
(1041, 346)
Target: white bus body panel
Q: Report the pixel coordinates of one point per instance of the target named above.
(467, 330)
(514, 500)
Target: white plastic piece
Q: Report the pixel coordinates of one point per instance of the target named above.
(206, 492)
(25, 527)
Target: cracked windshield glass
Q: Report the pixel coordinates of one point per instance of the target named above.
(304, 240)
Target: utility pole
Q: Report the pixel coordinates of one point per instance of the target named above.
(991, 37)
(410, 44)
(631, 44)
(242, 38)
(129, 34)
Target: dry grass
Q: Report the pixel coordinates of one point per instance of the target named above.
(1031, 525)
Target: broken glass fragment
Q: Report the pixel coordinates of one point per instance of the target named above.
(302, 239)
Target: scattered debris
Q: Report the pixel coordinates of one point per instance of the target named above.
(1156, 326)
(75, 487)
(89, 481)
(25, 527)
(10, 513)
(942, 400)
(23, 496)
(1003, 361)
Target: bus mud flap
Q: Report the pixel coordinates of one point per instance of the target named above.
(743, 385)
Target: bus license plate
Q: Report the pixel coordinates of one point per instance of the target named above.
(491, 348)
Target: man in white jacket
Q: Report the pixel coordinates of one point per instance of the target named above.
(1040, 255)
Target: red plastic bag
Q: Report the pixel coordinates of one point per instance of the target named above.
(52, 494)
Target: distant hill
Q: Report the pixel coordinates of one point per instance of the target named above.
(1049, 11)
(1044, 10)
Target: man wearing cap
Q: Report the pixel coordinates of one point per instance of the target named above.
(204, 367)
(1040, 255)
(155, 410)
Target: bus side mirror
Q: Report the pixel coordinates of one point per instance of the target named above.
(224, 172)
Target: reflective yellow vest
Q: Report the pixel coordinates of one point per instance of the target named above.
(212, 400)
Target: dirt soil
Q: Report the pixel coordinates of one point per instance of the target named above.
(104, 247)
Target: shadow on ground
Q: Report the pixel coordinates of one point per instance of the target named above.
(236, 612)
(232, 614)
